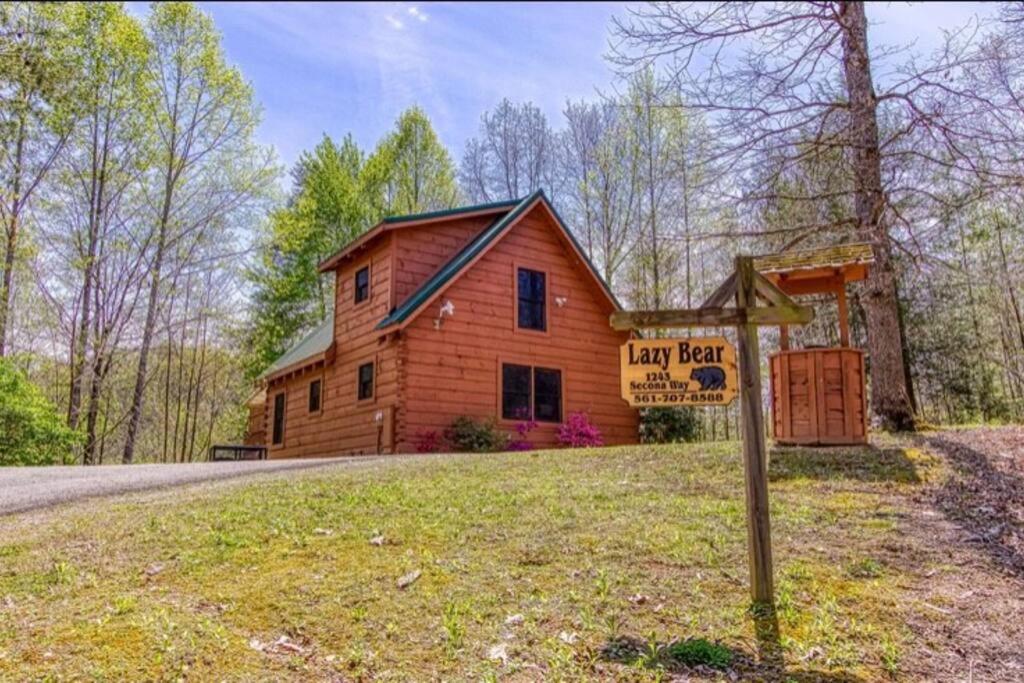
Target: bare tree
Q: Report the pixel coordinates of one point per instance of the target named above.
(601, 179)
(782, 82)
(514, 155)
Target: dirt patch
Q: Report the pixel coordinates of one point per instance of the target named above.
(966, 564)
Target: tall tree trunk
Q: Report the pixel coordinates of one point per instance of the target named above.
(11, 230)
(1008, 280)
(81, 339)
(652, 198)
(92, 410)
(151, 314)
(890, 399)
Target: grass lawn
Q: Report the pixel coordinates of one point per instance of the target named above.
(607, 564)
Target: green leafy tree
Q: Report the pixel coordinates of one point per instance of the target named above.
(31, 431)
(329, 207)
(104, 159)
(207, 165)
(38, 99)
(411, 171)
(338, 195)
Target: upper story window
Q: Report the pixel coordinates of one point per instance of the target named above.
(531, 294)
(362, 284)
(365, 381)
(315, 388)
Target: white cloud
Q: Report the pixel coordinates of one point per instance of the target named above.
(418, 13)
(395, 22)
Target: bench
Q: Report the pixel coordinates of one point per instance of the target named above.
(224, 452)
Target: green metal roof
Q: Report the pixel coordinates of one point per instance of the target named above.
(379, 229)
(442, 213)
(434, 284)
(316, 342)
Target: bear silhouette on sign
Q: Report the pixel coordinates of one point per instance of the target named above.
(711, 378)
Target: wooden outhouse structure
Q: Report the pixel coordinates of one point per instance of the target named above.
(486, 311)
(818, 393)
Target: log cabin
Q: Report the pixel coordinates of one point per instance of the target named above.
(489, 311)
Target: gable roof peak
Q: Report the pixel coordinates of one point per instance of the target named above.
(476, 248)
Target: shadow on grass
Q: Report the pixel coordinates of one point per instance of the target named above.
(699, 656)
(985, 501)
(861, 463)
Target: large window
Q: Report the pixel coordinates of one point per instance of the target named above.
(277, 430)
(531, 289)
(531, 393)
(365, 381)
(315, 388)
(363, 284)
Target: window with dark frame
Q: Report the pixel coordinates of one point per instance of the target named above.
(531, 393)
(363, 284)
(314, 396)
(547, 395)
(531, 290)
(365, 381)
(277, 431)
(515, 392)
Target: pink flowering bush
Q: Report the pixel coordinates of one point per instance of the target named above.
(428, 441)
(579, 432)
(519, 442)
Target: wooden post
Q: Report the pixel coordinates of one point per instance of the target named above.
(755, 463)
(844, 320)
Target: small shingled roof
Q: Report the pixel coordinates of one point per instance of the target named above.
(316, 342)
(810, 259)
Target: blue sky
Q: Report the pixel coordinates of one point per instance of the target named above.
(340, 68)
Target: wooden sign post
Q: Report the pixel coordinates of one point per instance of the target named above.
(746, 286)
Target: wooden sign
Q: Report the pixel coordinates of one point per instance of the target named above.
(745, 286)
(692, 371)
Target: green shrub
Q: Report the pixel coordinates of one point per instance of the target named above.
(466, 435)
(31, 432)
(669, 425)
(700, 652)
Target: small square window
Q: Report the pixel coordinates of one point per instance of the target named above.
(531, 286)
(362, 284)
(314, 396)
(365, 381)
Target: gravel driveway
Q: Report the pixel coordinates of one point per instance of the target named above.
(27, 488)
